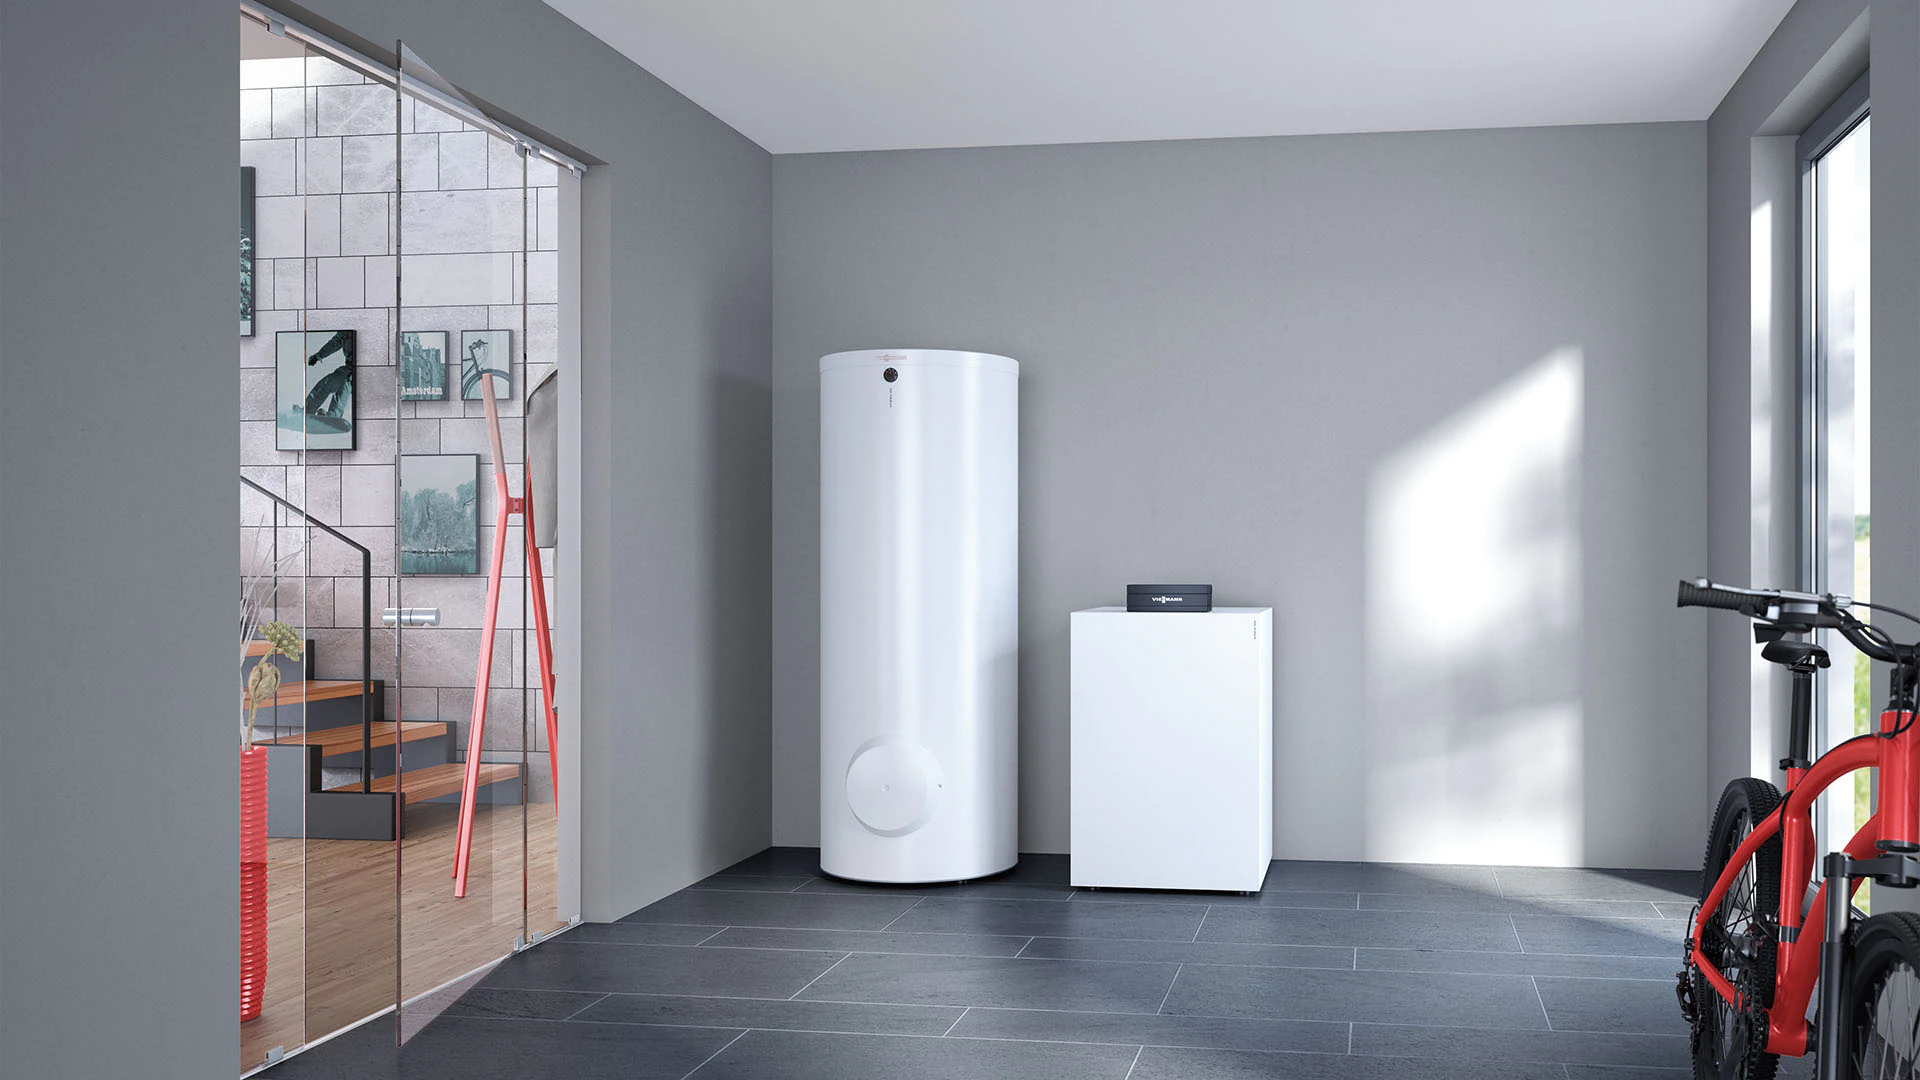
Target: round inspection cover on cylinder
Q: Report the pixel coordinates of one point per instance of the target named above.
(893, 785)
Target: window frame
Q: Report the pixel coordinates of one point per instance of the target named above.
(1836, 122)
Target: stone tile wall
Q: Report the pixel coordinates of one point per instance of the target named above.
(329, 220)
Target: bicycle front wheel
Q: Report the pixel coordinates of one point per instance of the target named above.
(1883, 998)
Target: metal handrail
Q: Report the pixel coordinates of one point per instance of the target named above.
(366, 630)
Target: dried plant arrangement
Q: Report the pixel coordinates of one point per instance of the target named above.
(258, 585)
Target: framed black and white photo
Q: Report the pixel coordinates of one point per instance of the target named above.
(423, 365)
(246, 251)
(439, 513)
(486, 351)
(314, 389)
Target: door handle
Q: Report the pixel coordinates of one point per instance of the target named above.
(410, 616)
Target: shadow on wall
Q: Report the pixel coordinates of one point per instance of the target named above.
(1473, 626)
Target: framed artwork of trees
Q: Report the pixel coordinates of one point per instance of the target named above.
(439, 513)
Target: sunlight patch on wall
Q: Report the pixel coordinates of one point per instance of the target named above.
(1474, 718)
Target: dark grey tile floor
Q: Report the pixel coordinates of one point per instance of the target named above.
(1334, 970)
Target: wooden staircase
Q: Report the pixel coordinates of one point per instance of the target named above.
(313, 727)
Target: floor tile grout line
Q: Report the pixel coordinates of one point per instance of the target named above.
(1136, 1062)
(817, 978)
(715, 1054)
(902, 915)
(1070, 1042)
(1534, 981)
(964, 1010)
(1066, 937)
(1168, 996)
(587, 1006)
(804, 890)
(830, 930)
(1020, 954)
(1667, 979)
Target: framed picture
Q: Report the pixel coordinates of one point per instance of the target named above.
(423, 365)
(486, 351)
(313, 390)
(439, 513)
(246, 251)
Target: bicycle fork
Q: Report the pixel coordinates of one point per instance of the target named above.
(1898, 867)
(1830, 1055)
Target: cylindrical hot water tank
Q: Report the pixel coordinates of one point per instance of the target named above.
(919, 614)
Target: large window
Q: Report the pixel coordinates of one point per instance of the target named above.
(1836, 509)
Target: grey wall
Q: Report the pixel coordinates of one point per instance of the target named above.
(119, 875)
(1818, 49)
(119, 834)
(1438, 398)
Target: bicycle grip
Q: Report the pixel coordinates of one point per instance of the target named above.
(1703, 593)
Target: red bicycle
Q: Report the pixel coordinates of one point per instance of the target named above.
(1758, 947)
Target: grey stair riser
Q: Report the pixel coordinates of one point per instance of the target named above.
(295, 769)
(292, 774)
(286, 790)
(350, 815)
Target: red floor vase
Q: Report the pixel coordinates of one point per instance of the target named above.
(253, 881)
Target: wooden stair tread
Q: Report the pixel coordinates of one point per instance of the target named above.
(437, 780)
(293, 692)
(258, 647)
(346, 739)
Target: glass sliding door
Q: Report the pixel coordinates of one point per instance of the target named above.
(476, 336)
(400, 322)
(1837, 521)
(317, 431)
(347, 418)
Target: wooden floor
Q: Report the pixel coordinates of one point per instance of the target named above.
(332, 936)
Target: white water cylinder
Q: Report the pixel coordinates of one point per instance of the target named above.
(919, 614)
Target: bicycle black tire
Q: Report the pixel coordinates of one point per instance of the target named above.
(1885, 947)
(1725, 1044)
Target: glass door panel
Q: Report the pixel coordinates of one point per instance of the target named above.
(336, 381)
(275, 560)
(314, 669)
(463, 232)
(540, 315)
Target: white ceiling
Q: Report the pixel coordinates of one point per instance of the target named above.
(809, 75)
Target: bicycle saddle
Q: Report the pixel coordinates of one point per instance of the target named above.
(1795, 654)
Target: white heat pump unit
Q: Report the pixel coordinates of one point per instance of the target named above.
(919, 614)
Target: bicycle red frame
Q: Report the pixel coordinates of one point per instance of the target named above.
(1897, 818)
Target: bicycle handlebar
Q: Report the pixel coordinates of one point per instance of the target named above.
(1797, 611)
(1703, 593)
